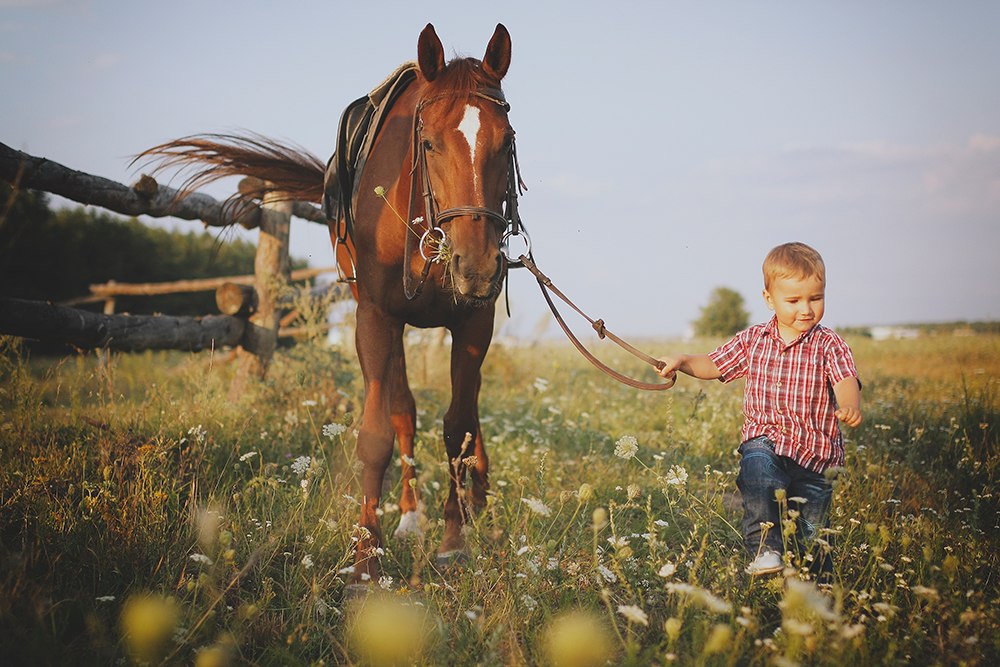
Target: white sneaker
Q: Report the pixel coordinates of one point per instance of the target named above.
(767, 562)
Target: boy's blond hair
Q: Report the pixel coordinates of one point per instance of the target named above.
(793, 260)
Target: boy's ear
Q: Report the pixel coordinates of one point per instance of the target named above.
(767, 300)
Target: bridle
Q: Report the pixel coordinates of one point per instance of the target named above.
(507, 221)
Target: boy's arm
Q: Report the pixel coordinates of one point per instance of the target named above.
(700, 366)
(848, 395)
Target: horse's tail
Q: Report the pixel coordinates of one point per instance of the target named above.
(288, 169)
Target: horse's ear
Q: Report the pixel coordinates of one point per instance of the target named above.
(497, 58)
(430, 53)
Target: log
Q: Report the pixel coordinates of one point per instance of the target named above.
(87, 330)
(145, 198)
(272, 269)
(233, 299)
(113, 288)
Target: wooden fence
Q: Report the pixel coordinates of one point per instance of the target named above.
(250, 305)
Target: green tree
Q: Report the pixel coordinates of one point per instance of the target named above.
(55, 255)
(724, 315)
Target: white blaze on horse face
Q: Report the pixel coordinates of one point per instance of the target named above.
(469, 127)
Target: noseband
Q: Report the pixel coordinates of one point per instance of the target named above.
(507, 222)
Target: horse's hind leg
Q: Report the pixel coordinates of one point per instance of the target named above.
(404, 419)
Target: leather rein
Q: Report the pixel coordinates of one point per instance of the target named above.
(602, 332)
(509, 224)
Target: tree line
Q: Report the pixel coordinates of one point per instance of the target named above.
(55, 254)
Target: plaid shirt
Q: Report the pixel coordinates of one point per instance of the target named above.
(788, 395)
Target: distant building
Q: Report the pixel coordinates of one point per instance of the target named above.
(893, 333)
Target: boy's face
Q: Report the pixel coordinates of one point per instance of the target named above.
(798, 304)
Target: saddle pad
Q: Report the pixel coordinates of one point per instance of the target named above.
(359, 125)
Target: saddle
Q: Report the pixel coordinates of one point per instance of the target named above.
(359, 125)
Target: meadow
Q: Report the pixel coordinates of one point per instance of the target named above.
(146, 518)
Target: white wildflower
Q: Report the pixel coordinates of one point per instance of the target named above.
(529, 602)
(309, 403)
(307, 561)
(626, 447)
(676, 476)
(541, 384)
(537, 506)
(106, 598)
(701, 597)
(633, 613)
(385, 582)
(201, 558)
(301, 465)
(667, 570)
(333, 430)
(246, 457)
(608, 575)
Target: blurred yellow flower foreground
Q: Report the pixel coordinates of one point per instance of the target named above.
(148, 623)
(385, 632)
(577, 639)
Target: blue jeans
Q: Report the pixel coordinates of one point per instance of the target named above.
(761, 473)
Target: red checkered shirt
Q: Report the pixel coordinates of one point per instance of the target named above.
(789, 390)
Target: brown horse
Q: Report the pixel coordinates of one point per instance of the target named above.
(445, 147)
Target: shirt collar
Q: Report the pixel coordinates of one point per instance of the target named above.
(771, 329)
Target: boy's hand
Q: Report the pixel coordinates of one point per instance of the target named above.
(849, 415)
(669, 368)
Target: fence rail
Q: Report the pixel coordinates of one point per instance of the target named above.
(145, 197)
(254, 322)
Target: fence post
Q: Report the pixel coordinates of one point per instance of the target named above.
(273, 269)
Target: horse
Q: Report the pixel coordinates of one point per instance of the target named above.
(446, 148)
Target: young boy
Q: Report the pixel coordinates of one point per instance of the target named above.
(800, 379)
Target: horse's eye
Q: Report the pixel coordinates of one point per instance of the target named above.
(428, 146)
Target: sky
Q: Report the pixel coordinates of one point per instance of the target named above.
(666, 146)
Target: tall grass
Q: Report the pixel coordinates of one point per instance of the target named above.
(146, 519)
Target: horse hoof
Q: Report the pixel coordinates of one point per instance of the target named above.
(410, 525)
(455, 558)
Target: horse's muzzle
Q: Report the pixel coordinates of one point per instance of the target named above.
(474, 284)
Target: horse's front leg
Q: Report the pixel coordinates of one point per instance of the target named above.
(404, 419)
(379, 341)
(462, 436)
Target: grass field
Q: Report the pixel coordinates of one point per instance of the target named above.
(146, 519)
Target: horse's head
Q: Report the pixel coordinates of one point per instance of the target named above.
(463, 143)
